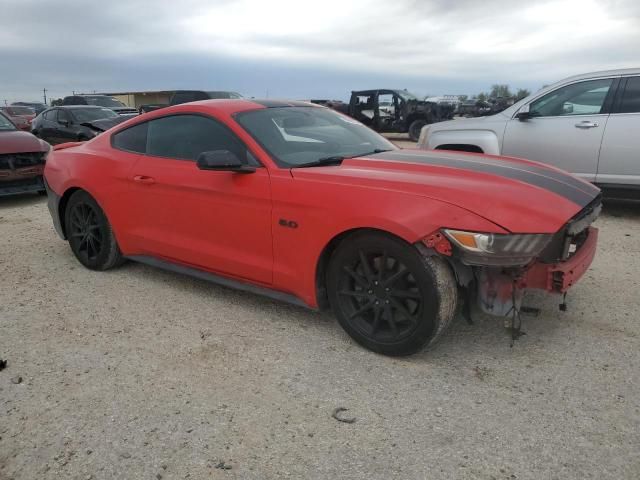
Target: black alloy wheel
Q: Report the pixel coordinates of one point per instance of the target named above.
(387, 296)
(85, 234)
(89, 233)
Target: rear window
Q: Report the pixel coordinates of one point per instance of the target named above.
(132, 139)
(21, 111)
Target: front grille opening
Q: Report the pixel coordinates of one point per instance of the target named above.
(13, 161)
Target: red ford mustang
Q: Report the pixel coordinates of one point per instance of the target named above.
(306, 205)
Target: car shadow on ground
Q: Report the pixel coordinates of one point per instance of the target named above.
(628, 209)
(485, 334)
(22, 200)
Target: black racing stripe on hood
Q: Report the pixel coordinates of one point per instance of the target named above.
(535, 176)
(506, 161)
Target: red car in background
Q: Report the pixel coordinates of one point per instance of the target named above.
(304, 204)
(20, 116)
(22, 158)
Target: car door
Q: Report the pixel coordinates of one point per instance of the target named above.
(215, 220)
(47, 121)
(564, 127)
(619, 162)
(385, 111)
(65, 130)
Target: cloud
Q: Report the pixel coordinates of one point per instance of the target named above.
(142, 44)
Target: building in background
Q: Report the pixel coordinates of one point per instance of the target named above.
(135, 99)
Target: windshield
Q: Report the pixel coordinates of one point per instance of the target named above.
(83, 115)
(214, 95)
(5, 123)
(102, 101)
(300, 135)
(20, 111)
(407, 95)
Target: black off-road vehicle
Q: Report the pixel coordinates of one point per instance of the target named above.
(395, 111)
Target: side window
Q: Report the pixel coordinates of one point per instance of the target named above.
(386, 104)
(50, 115)
(132, 139)
(631, 98)
(583, 98)
(364, 104)
(62, 116)
(185, 137)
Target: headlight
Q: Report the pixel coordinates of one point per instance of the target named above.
(498, 249)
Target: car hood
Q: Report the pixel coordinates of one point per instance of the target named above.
(105, 124)
(16, 141)
(518, 195)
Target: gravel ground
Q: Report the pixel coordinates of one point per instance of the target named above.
(142, 374)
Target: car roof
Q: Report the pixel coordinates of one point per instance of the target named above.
(602, 73)
(76, 107)
(232, 105)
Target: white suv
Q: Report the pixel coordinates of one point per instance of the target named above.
(588, 124)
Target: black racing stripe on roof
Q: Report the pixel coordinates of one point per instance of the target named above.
(280, 103)
(547, 172)
(511, 170)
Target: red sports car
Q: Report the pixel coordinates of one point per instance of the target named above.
(304, 204)
(22, 158)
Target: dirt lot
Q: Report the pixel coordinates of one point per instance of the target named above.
(142, 374)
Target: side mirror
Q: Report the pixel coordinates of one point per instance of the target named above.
(524, 113)
(222, 160)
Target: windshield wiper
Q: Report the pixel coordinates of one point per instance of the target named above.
(377, 150)
(321, 162)
(336, 159)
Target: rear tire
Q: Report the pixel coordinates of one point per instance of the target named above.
(387, 296)
(90, 234)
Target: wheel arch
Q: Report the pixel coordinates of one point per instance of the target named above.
(326, 253)
(482, 141)
(460, 147)
(62, 206)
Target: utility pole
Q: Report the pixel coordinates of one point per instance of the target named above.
(44, 94)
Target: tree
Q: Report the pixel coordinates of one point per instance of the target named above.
(498, 91)
(482, 97)
(521, 93)
(55, 103)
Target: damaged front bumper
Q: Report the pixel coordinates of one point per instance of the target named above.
(500, 291)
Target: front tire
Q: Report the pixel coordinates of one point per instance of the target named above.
(90, 234)
(387, 296)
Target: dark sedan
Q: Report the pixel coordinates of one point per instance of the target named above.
(74, 123)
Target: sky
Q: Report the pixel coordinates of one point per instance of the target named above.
(301, 49)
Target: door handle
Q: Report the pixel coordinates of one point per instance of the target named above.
(586, 124)
(144, 179)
